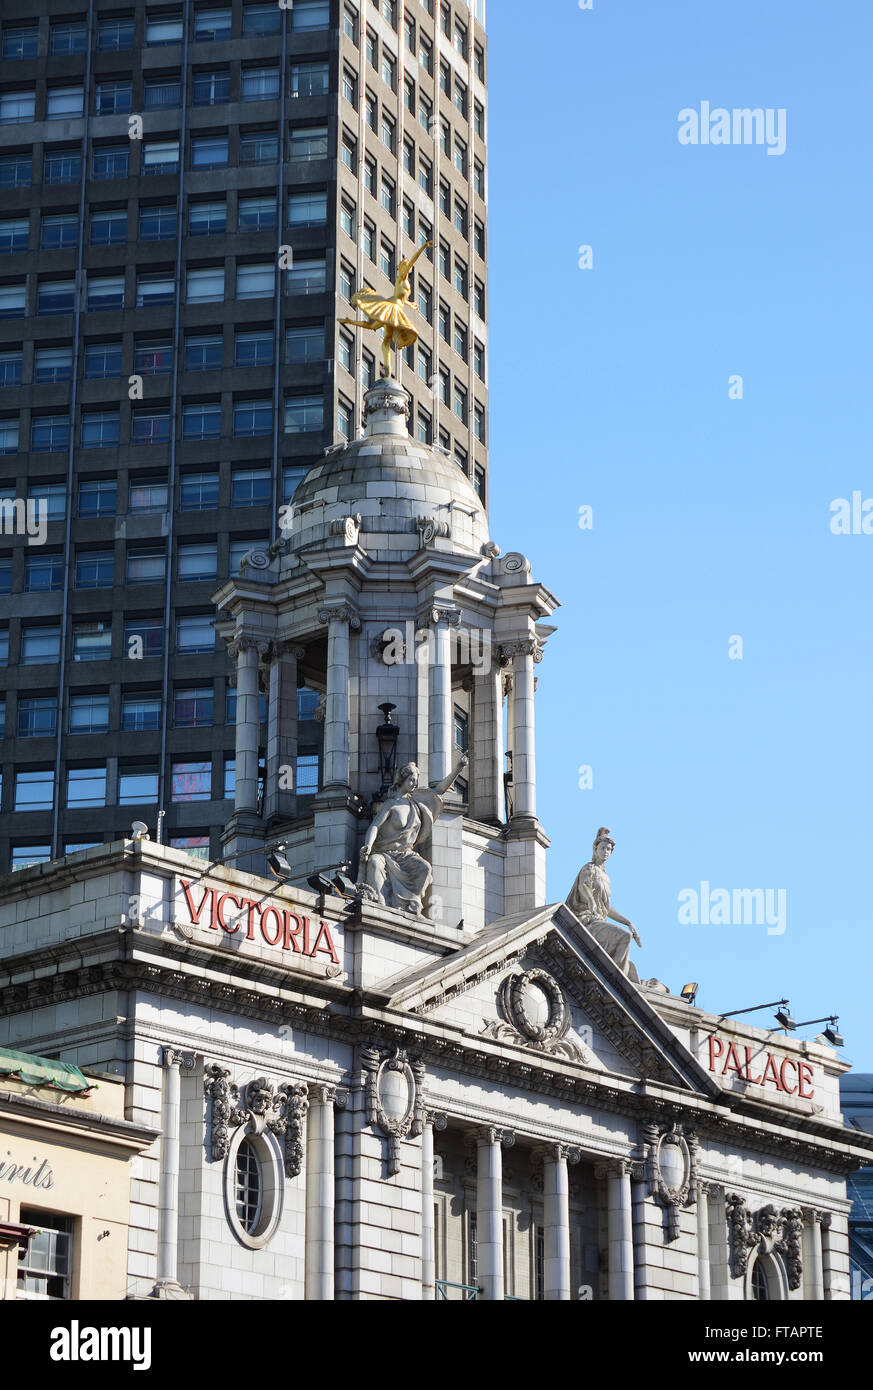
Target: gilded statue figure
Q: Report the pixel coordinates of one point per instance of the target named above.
(390, 315)
(589, 900)
(390, 870)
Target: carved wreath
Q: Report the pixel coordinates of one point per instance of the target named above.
(671, 1196)
(513, 1003)
(260, 1106)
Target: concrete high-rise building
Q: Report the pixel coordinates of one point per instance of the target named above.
(190, 195)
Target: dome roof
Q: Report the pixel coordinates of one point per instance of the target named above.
(393, 483)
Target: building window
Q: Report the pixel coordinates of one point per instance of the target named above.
(308, 143)
(89, 714)
(63, 103)
(153, 359)
(261, 19)
(292, 476)
(388, 131)
(40, 645)
(258, 147)
(148, 497)
(140, 713)
(20, 42)
(310, 14)
(52, 365)
(143, 637)
(108, 162)
(114, 35)
(254, 349)
(257, 215)
(344, 420)
(49, 433)
(195, 633)
(197, 846)
(37, 716)
(45, 1262)
(197, 562)
(108, 228)
(192, 782)
(16, 170)
(9, 434)
(102, 360)
(305, 343)
(308, 276)
(303, 413)
(349, 153)
(204, 352)
(97, 497)
(350, 87)
(52, 297)
(210, 88)
(205, 286)
(251, 419)
(150, 426)
(307, 209)
(204, 219)
(259, 84)
(163, 30)
(23, 857)
(53, 496)
(10, 375)
(157, 223)
(15, 235)
(162, 93)
(105, 292)
(350, 23)
(113, 98)
(137, 786)
(348, 215)
(17, 108)
(212, 26)
(198, 492)
(99, 429)
(479, 360)
(479, 422)
(86, 786)
(248, 1187)
(34, 791)
(193, 708)
(95, 569)
(209, 152)
(160, 157)
(256, 281)
(146, 565)
(250, 487)
(201, 420)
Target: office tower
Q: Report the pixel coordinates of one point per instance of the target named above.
(190, 195)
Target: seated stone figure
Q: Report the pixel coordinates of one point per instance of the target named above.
(390, 870)
(589, 901)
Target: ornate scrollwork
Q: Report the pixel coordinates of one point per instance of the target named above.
(397, 1113)
(671, 1170)
(260, 1106)
(516, 563)
(429, 529)
(349, 527)
(766, 1231)
(342, 613)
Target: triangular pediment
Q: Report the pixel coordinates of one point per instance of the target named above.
(541, 981)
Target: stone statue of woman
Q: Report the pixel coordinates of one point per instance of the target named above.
(390, 870)
(589, 901)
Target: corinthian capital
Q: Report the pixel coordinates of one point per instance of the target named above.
(522, 646)
(450, 616)
(342, 613)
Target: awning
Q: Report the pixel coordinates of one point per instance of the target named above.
(42, 1071)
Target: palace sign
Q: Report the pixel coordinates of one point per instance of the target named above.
(257, 921)
(786, 1074)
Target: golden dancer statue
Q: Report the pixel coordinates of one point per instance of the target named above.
(389, 314)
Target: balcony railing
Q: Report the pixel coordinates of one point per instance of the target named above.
(469, 1292)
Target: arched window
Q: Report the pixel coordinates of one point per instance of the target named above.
(766, 1280)
(760, 1287)
(254, 1183)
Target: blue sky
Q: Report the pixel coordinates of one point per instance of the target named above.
(609, 388)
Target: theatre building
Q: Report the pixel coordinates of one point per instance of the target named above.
(440, 1085)
(65, 1155)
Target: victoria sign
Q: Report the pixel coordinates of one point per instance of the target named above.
(262, 922)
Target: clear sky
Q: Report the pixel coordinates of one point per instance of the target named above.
(711, 515)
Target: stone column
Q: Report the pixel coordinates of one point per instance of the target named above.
(280, 781)
(440, 709)
(703, 1275)
(320, 1198)
(340, 619)
(812, 1221)
(489, 1208)
(620, 1233)
(524, 795)
(486, 746)
(556, 1219)
(245, 651)
(167, 1285)
(432, 1120)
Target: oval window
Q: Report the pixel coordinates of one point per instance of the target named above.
(248, 1188)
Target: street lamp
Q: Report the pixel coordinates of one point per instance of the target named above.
(386, 736)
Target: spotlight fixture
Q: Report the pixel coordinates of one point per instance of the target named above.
(139, 830)
(278, 862)
(783, 1017)
(321, 884)
(834, 1037)
(345, 886)
(689, 992)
